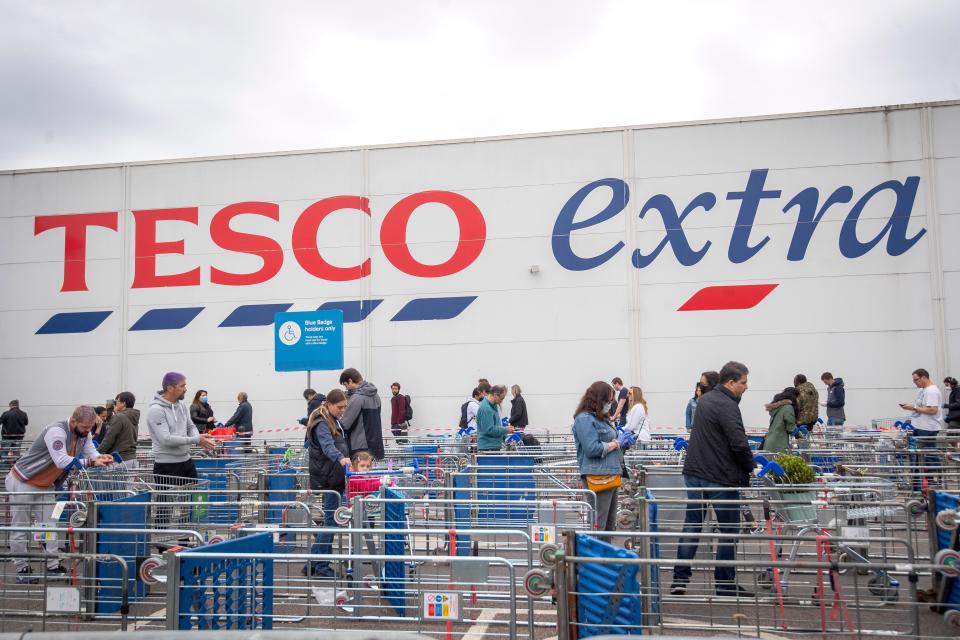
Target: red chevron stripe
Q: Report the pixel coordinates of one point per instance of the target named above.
(737, 296)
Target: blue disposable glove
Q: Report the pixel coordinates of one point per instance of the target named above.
(626, 439)
(800, 432)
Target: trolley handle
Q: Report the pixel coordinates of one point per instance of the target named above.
(413, 469)
(772, 467)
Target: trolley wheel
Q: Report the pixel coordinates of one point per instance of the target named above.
(78, 518)
(628, 544)
(626, 519)
(631, 504)
(548, 554)
(536, 582)
(916, 508)
(842, 558)
(947, 519)
(342, 516)
(950, 560)
(149, 573)
(217, 539)
(765, 579)
(883, 588)
(952, 617)
(437, 483)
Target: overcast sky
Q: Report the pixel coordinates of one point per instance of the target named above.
(94, 81)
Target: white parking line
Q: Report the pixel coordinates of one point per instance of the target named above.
(139, 624)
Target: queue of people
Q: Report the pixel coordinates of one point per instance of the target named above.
(344, 426)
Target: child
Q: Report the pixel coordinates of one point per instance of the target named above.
(359, 486)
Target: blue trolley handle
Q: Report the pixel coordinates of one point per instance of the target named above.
(771, 467)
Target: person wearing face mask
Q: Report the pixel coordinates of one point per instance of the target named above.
(600, 451)
(952, 405)
(329, 454)
(59, 448)
(201, 413)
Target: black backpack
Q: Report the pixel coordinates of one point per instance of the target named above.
(463, 414)
(409, 414)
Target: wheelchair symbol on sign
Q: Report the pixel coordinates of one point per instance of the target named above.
(289, 333)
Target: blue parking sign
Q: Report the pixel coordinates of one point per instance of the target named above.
(308, 341)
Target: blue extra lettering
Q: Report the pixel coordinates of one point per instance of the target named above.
(808, 217)
(896, 227)
(619, 195)
(740, 249)
(673, 224)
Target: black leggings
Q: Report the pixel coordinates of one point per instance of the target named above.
(174, 481)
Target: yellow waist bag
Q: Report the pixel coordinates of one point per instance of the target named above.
(598, 483)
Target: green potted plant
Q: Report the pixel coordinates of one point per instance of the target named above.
(796, 472)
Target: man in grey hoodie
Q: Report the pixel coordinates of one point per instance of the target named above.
(172, 433)
(361, 420)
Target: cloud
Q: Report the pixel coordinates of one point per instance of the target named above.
(122, 81)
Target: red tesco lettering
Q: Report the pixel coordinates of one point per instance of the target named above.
(393, 232)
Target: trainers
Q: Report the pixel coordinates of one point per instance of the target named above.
(26, 576)
(57, 573)
(322, 572)
(735, 591)
(678, 589)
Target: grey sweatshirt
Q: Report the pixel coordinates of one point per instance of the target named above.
(171, 430)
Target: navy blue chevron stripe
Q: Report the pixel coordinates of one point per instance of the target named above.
(73, 322)
(156, 319)
(353, 310)
(259, 315)
(433, 308)
(254, 315)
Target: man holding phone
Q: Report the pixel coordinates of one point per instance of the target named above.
(925, 412)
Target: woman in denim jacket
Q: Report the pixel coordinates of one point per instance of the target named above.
(599, 448)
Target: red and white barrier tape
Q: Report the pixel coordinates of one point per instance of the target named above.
(281, 429)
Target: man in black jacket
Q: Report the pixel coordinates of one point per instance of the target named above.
(242, 418)
(13, 426)
(314, 400)
(718, 461)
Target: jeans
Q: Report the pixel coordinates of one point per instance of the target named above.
(10, 450)
(324, 541)
(700, 492)
(400, 432)
(834, 421)
(926, 440)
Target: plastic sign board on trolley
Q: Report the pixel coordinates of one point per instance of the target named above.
(308, 340)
